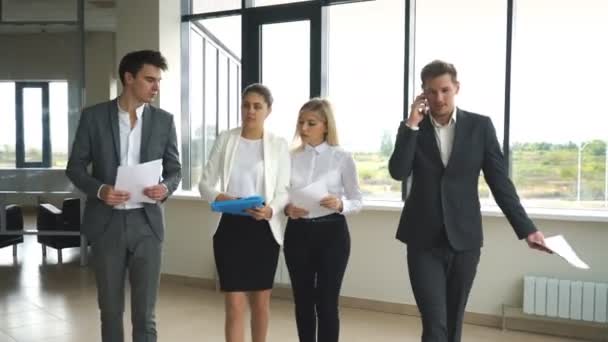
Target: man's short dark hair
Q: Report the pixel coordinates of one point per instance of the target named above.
(134, 61)
(438, 68)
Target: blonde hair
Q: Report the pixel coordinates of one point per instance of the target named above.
(324, 109)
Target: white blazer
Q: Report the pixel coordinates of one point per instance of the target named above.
(277, 168)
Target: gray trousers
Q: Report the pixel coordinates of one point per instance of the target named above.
(128, 244)
(441, 280)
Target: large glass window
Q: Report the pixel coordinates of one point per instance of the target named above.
(32, 122)
(214, 92)
(558, 154)
(58, 111)
(366, 53)
(258, 3)
(30, 111)
(558, 130)
(206, 6)
(471, 34)
(7, 117)
(286, 70)
(197, 154)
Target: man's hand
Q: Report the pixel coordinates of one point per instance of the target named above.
(536, 240)
(156, 192)
(262, 213)
(113, 197)
(417, 111)
(332, 202)
(295, 212)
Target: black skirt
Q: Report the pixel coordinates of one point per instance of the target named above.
(246, 254)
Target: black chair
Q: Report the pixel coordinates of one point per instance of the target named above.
(51, 218)
(14, 221)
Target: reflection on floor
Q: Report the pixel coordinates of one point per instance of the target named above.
(47, 302)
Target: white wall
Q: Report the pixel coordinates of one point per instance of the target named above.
(377, 268)
(100, 70)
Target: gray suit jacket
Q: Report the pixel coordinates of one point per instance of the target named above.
(447, 197)
(97, 143)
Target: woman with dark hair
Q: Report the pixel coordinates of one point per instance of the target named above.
(247, 161)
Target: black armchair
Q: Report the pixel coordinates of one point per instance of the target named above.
(51, 218)
(14, 221)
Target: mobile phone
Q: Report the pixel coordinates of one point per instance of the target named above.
(424, 107)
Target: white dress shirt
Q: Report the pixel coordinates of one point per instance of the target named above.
(444, 134)
(247, 174)
(130, 144)
(332, 164)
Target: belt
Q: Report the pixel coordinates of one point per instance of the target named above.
(321, 219)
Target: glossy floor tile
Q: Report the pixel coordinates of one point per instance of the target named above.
(43, 301)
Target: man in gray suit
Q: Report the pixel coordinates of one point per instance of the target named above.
(444, 148)
(124, 235)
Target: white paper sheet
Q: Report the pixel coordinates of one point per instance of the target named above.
(309, 197)
(558, 245)
(135, 178)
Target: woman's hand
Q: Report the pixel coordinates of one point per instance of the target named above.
(332, 202)
(294, 212)
(262, 213)
(224, 197)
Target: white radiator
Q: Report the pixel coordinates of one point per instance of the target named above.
(568, 299)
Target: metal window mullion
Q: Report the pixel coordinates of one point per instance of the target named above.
(217, 92)
(508, 65)
(204, 107)
(186, 117)
(46, 129)
(227, 92)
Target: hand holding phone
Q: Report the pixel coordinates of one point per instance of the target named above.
(418, 110)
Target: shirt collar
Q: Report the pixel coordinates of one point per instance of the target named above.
(322, 147)
(451, 122)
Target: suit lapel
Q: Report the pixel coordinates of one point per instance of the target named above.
(459, 136)
(113, 113)
(229, 154)
(266, 153)
(146, 127)
(428, 133)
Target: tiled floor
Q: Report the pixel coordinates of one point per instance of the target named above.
(46, 302)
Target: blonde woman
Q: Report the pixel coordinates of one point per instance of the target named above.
(317, 245)
(248, 161)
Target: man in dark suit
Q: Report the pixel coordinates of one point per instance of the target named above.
(444, 149)
(126, 235)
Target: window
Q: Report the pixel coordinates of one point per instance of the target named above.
(214, 92)
(7, 116)
(558, 130)
(258, 3)
(35, 136)
(366, 86)
(58, 111)
(557, 140)
(206, 6)
(471, 35)
(286, 70)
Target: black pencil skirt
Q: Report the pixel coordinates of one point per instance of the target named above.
(246, 254)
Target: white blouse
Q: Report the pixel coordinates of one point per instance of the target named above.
(333, 164)
(247, 174)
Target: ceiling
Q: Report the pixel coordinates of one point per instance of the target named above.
(99, 15)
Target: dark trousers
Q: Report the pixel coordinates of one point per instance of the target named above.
(316, 254)
(441, 279)
(127, 244)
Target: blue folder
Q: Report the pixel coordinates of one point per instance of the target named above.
(238, 206)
